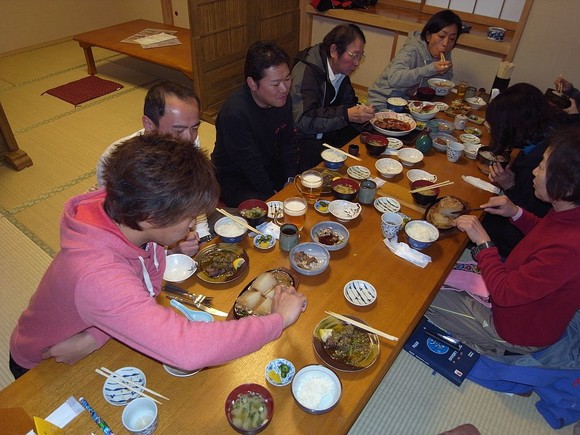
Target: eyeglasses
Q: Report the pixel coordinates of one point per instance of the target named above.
(357, 57)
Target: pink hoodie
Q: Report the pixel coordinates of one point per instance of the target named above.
(101, 283)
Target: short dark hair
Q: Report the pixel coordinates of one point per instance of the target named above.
(342, 35)
(518, 116)
(159, 179)
(262, 55)
(154, 107)
(562, 174)
(439, 21)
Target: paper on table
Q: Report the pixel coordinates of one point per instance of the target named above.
(407, 253)
(378, 181)
(269, 228)
(481, 184)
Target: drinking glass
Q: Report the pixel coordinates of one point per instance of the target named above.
(295, 211)
(309, 184)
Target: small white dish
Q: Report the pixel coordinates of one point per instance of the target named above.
(394, 143)
(386, 203)
(118, 395)
(343, 210)
(275, 205)
(442, 106)
(419, 174)
(388, 168)
(174, 371)
(469, 138)
(179, 267)
(264, 242)
(358, 172)
(360, 293)
(409, 156)
(321, 206)
(279, 372)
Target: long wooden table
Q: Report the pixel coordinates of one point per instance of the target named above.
(176, 57)
(197, 402)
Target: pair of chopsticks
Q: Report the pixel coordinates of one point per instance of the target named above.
(442, 57)
(338, 150)
(129, 385)
(362, 326)
(433, 186)
(238, 221)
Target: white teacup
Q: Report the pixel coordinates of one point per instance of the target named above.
(140, 416)
(391, 223)
(454, 151)
(471, 150)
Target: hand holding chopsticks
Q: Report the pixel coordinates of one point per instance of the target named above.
(433, 186)
(362, 326)
(338, 150)
(128, 384)
(239, 221)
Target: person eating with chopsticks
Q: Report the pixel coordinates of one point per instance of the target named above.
(103, 282)
(535, 293)
(425, 54)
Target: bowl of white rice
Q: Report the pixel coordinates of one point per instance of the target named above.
(420, 234)
(230, 231)
(316, 389)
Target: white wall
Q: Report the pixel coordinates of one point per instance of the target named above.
(548, 47)
(26, 23)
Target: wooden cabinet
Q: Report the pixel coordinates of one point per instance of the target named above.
(222, 31)
(402, 17)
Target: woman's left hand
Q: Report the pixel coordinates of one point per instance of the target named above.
(504, 177)
(471, 226)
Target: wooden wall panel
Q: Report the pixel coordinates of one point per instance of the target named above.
(222, 31)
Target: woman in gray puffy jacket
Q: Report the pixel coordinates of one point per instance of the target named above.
(425, 54)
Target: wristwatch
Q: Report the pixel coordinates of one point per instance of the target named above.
(477, 249)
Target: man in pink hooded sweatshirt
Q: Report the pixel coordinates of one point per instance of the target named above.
(103, 282)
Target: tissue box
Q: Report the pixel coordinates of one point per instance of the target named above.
(454, 364)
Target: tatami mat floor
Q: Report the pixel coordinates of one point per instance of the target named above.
(64, 143)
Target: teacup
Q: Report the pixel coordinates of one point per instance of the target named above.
(288, 237)
(471, 150)
(454, 151)
(140, 416)
(391, 223)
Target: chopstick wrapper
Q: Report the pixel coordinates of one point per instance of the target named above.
(378, 181)
(269, 228)
(481, 184)
(404, 251)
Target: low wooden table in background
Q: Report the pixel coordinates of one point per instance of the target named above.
(176, 57)
(197, 402)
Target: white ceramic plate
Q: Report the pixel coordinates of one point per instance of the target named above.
(343, 210)
(394, 144)
(358, 172)
(360, 293)
(386, 203)
(442, 106)
(272, 205)
(178, 372)
(118, 395)
(400, 116)
(273, 372)
(419, 174)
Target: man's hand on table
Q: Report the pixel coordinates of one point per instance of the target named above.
(289, 303)
(72, 349)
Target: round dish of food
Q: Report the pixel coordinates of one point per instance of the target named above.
(332, 235)
(441, 214)
(393, 124)
(280, 372)
(256, 298)
(343, 346)
(221, 263)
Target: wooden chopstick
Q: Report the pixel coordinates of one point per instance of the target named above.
(125, 383)
(363, 326)
(239, 222)
(341, 152)
(433, 186)
(442, 57)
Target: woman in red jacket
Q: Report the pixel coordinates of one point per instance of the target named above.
(536, 292)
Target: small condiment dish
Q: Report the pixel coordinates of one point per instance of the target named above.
(388, 168)
(179, 267)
